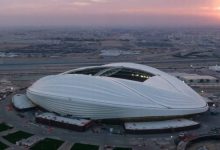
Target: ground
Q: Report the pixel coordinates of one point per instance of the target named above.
(23, 75)
(209, 145)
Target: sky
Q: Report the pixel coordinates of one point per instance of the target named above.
(109, 12)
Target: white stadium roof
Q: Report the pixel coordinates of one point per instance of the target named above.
(118, 90)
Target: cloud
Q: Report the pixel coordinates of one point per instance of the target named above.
(81, 3)
(106, 11)
(99, 1)
(86, 2)
(217, 8)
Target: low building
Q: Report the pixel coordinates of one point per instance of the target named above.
(195, 78)
(5, 91)
(30, 141)
(63, 122)
(214, 68)
(21, 102)
(160, 126)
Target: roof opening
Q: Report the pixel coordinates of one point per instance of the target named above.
(115, 72)
(127, 73)
(89, 71)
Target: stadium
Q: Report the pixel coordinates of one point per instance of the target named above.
(116, 91)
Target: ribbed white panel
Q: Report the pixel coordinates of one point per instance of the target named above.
(104, 97)
(88, 110)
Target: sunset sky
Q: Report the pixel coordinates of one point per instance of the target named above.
(109, 12)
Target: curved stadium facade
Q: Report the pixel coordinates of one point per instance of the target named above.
(117, 90)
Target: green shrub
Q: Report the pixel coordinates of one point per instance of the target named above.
(17, 136)
(47, 144)
(79, 146)
(4, 127)
(3, 146)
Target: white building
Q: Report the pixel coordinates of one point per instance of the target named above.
(195, 78)
(21, 102)
(118, 90)
(215, 68)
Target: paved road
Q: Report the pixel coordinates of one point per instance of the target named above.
(14, 63)
(25, 124)
(29, 125)
(66, 146)
(11, 146)
(128, 140)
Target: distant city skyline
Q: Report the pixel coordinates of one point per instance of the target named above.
(109, 12)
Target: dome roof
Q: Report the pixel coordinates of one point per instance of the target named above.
(116, 90)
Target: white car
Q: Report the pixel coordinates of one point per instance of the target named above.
(117, 90)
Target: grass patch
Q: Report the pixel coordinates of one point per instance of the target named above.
(47, 144)
(120, 148)
(17, 136)
(78, 146)
(3, 146)
(4, 127)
